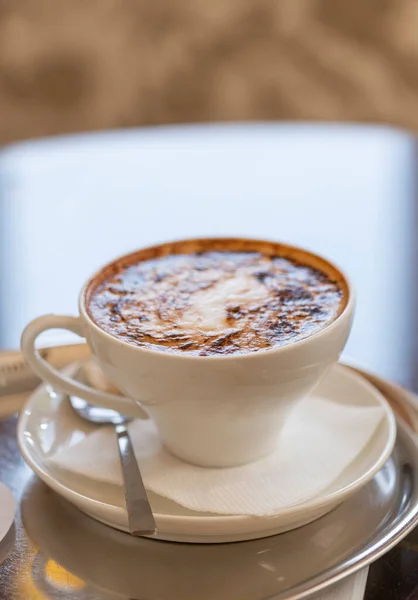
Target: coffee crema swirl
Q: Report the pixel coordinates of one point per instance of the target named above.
(214, 302)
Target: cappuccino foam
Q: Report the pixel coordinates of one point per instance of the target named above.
(214, 302)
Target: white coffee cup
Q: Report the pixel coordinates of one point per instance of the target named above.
(215, 411)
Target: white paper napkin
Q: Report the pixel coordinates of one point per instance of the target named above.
(320, 439)
(351, 588)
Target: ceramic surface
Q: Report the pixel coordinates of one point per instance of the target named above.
(210, 410)
(7, 510)
(48, 424)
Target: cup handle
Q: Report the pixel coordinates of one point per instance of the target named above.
(62, 383)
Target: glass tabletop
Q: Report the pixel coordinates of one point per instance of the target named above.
(67, 205)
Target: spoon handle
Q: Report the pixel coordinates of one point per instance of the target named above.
(140, 517)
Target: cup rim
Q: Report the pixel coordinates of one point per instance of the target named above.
(290, 347)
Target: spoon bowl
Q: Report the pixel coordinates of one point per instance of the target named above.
(97, 414)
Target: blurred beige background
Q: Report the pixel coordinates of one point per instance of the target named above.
(72, 65)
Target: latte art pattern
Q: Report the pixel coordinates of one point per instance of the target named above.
(215, 303)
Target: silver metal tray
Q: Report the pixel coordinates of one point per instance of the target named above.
(285, 566)
(111, 564)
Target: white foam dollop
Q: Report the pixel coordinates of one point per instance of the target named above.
(208, 311)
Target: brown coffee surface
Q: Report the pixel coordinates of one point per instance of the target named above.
(214, 302)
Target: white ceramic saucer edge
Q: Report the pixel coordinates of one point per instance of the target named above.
(216, 528)
(7, 510)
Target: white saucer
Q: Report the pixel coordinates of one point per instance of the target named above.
(7, 510)
(48, 424)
